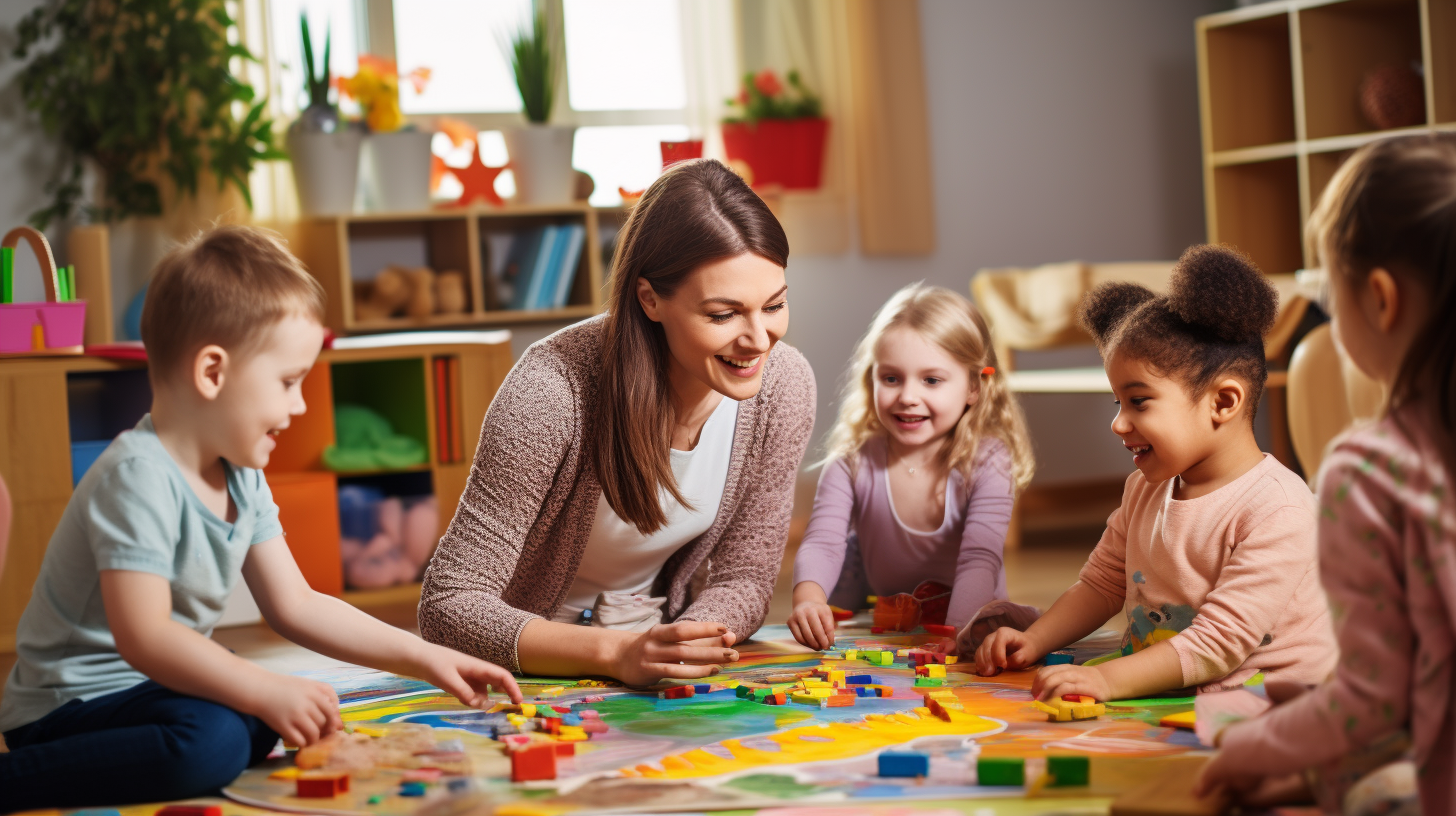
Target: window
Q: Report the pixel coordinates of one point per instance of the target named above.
(624, 85)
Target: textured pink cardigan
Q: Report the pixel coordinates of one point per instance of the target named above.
(515, 543)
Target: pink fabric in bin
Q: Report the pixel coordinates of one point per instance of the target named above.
(64, 325)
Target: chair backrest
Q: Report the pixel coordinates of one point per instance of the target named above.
(1327, 394)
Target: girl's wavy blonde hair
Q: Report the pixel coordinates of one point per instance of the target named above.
(953, 323)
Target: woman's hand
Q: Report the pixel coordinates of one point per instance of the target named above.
(470, 679)
(1007, 648)
(813, 624)
(684, 650)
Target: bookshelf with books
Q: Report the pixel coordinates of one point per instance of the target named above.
(506, 264)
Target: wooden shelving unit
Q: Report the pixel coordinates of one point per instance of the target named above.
(346, 251)
(48, 403)
(1279, 88)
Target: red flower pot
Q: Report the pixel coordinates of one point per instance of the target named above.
(786, 152)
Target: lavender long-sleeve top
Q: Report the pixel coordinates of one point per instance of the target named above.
(967, 545)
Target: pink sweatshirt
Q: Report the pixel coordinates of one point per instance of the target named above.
(1228, 578)
(964, 551)
(1387, 536)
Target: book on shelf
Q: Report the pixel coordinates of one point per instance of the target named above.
(533, 269)
(567, 265)
(457, 442)
(533, 275)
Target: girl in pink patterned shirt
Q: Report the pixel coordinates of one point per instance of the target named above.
(1386, 229)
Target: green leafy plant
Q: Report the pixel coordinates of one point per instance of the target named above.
(535, 62)
(142, 89)
(763, 96)
(316, 81)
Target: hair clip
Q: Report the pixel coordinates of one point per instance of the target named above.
(988, 371)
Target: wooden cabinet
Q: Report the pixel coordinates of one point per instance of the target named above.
(1279, 91)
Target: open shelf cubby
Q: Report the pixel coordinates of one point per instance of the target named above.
(100, 405)
(1280, 87)
(347, 253)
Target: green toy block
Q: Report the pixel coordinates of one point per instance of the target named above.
(921, 682)
(1003, 771)
(1068, 771)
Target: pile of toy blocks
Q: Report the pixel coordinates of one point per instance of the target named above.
(560, 721)
(1071, 707)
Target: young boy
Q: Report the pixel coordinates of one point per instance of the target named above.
(118, 694)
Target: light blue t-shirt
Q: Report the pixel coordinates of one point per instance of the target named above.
(133, 510)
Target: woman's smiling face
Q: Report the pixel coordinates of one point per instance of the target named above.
(722, 322)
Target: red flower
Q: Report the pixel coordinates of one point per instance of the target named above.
(743, 97)
(767, 83)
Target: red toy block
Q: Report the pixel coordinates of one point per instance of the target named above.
(939, 630)
(840, 614)
(565, 749)
(536, 761)
(190, 810)
(677, 693)
(922, 671)
(778, 698)
(322, 784)
(560, 709)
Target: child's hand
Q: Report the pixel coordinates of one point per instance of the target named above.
(1052, 682)
(301, 711)
(1006, 648)
(813, 625)
(470, 679)
(684, 650)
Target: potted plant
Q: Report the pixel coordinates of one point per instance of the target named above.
(779, 132)
(540, 153)
(323, 147)
(397, 157)
(139, 99)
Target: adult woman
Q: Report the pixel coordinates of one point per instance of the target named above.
(630, 451)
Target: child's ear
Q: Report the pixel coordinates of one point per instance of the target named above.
(209, 369)
(1229, 396)
(1383, 297)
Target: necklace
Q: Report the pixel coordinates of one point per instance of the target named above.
(911, 469)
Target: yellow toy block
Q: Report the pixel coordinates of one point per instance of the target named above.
(820, 691)
(811, 683)
(803, 698)
(528, 710)
(835, 678)
(731, 684)
(1066, 711)
(901, 652)
(936, 670)
(1183, 719)
(288, 774)
(923, 711)
(554, 691)
(949, 659)
(851, 654)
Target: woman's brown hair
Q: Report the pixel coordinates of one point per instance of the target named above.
(1392, 205)
(694, 214)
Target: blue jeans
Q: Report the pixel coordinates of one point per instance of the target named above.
(142, 744)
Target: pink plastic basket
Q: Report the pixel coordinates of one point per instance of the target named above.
(41, 328)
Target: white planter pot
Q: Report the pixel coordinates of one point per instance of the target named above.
(396, 171)
(541, 162)
(325, 170)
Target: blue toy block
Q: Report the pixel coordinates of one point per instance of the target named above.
(1056, 658)
(866, 692)
(570, 719)
(702, 688)
(411, 789)
(904, 763)
(457, 785)
(858, 679)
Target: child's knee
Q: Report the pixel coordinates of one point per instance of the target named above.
(210, 746)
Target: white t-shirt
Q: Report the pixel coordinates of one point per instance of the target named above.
(619, 558)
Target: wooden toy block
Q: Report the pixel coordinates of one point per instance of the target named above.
(1064, 711)
(904, 763)
(565, 749)
(939, 630)
(554, 691)
(190, 810)
(1056, 658)
(810, 683)
(570, 719)
(865, 691)
(561, 709)
(594, 726)
(1078, 698)
(701, 688)
(921, 682)
(922, 671)
(883, 690)
(837, 701)
(571, 733)
(322, 784)
(1067, 771)
(1183, 719)
(858, 679)
(805, 699)
(527, 710)
(949, 659)
(412, 789)
(836, 678)
(851, 654)
(1001, 771)
(777, 698)
(936, 670)
(533, 762)
(677, 693)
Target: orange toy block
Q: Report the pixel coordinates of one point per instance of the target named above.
(533, 762)
(322, 784)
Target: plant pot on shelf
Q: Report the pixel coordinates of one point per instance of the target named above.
(541, 163)
(785, 152)
(396, 171)
(325, 170)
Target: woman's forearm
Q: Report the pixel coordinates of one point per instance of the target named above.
(566, 650)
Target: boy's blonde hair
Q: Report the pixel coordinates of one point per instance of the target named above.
(226, 286)
(953, 323)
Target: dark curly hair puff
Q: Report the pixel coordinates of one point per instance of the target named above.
(1210, 324)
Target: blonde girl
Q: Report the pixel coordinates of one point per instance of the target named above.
(923, 466)
(1386, 232)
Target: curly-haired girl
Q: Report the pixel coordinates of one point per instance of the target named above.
(1211, 556)
(923, 467)
(1386, 231)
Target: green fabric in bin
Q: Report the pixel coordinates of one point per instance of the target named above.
(368, 442)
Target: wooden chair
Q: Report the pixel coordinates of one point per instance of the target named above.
(1327, 394)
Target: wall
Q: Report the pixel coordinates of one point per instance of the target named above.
(1060, 130)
